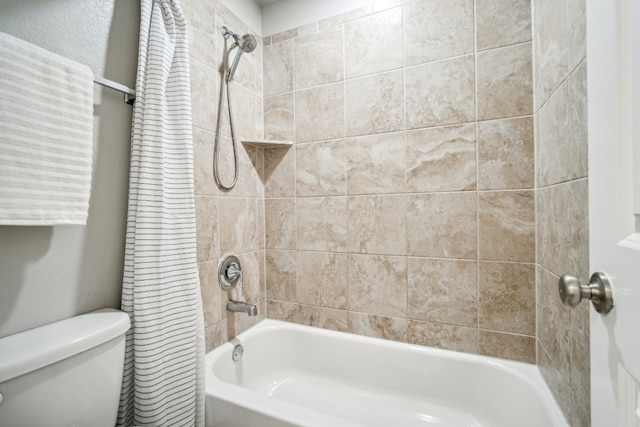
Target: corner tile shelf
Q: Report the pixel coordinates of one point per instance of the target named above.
(267, 143)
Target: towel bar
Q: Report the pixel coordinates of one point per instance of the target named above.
(129, 94)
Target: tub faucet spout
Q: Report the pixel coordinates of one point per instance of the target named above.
(242, 307)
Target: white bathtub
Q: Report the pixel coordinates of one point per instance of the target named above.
(297, 375)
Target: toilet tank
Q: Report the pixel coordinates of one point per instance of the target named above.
(67, 373)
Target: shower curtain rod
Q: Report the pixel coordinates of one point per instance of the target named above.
(129, 94)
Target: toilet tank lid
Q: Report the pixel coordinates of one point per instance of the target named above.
(36, 348)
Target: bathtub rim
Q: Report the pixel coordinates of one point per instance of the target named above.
(297, 415)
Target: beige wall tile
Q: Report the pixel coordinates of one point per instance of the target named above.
(580, 367)
(201, 22)
(559, 385)
(210, 291)
(278, 117)
(238, 223)
(247, 176)
(539, 9)
(284, 35)
(449, 337)
(259, 68)
(322, 223)
(204, 88)
(243, 105)
(285, 311)
(320, 113)
(507, 346)
(563, 224)
(376, 225)
(370, 325)
(204, 183)
(250, 289)
(320, 169)
(280, 223)
(578, 122)
(263, 274)
(502, 23)
(373, 43)
(278, 68)
(326, 318)
(441, 159)
(429, 34)
(319, 58)
(281, 275)
(344, 17)
(577, 192)
(505, 82)
(506, 226)
(244, 112)
(443, 291)
(259, 109)
(279, 172)
(207, 228)
(554, 141)
(378, 284)
(442, 225)
(375, 103)
(550, 52)
(551, 216)
(260, 172)
(507, 297)
(506, 154)
(440, 93)
(554, 324)
(577, 35)
(215, 335)
(376, 164)
(321, 279)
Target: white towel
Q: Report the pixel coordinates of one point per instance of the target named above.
(46, 136)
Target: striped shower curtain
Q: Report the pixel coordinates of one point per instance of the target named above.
(163, 383)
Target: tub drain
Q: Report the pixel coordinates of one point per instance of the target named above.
(237, 352)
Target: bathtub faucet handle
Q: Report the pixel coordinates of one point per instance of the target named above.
(233, 271)
(230, 272)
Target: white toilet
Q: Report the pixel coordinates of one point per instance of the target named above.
(68, 373)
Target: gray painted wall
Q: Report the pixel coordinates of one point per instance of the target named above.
(51, 273)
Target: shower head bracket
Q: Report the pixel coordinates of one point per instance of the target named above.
(226, 33)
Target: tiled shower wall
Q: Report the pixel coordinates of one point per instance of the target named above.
(560, 99)
(406, 207)
(227, 222)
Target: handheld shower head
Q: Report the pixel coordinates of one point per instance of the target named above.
(246, 43)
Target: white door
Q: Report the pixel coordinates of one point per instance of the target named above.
(613, 55)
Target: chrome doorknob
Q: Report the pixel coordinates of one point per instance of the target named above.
(598, 291)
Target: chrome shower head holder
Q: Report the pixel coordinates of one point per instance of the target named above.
(226, 33)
